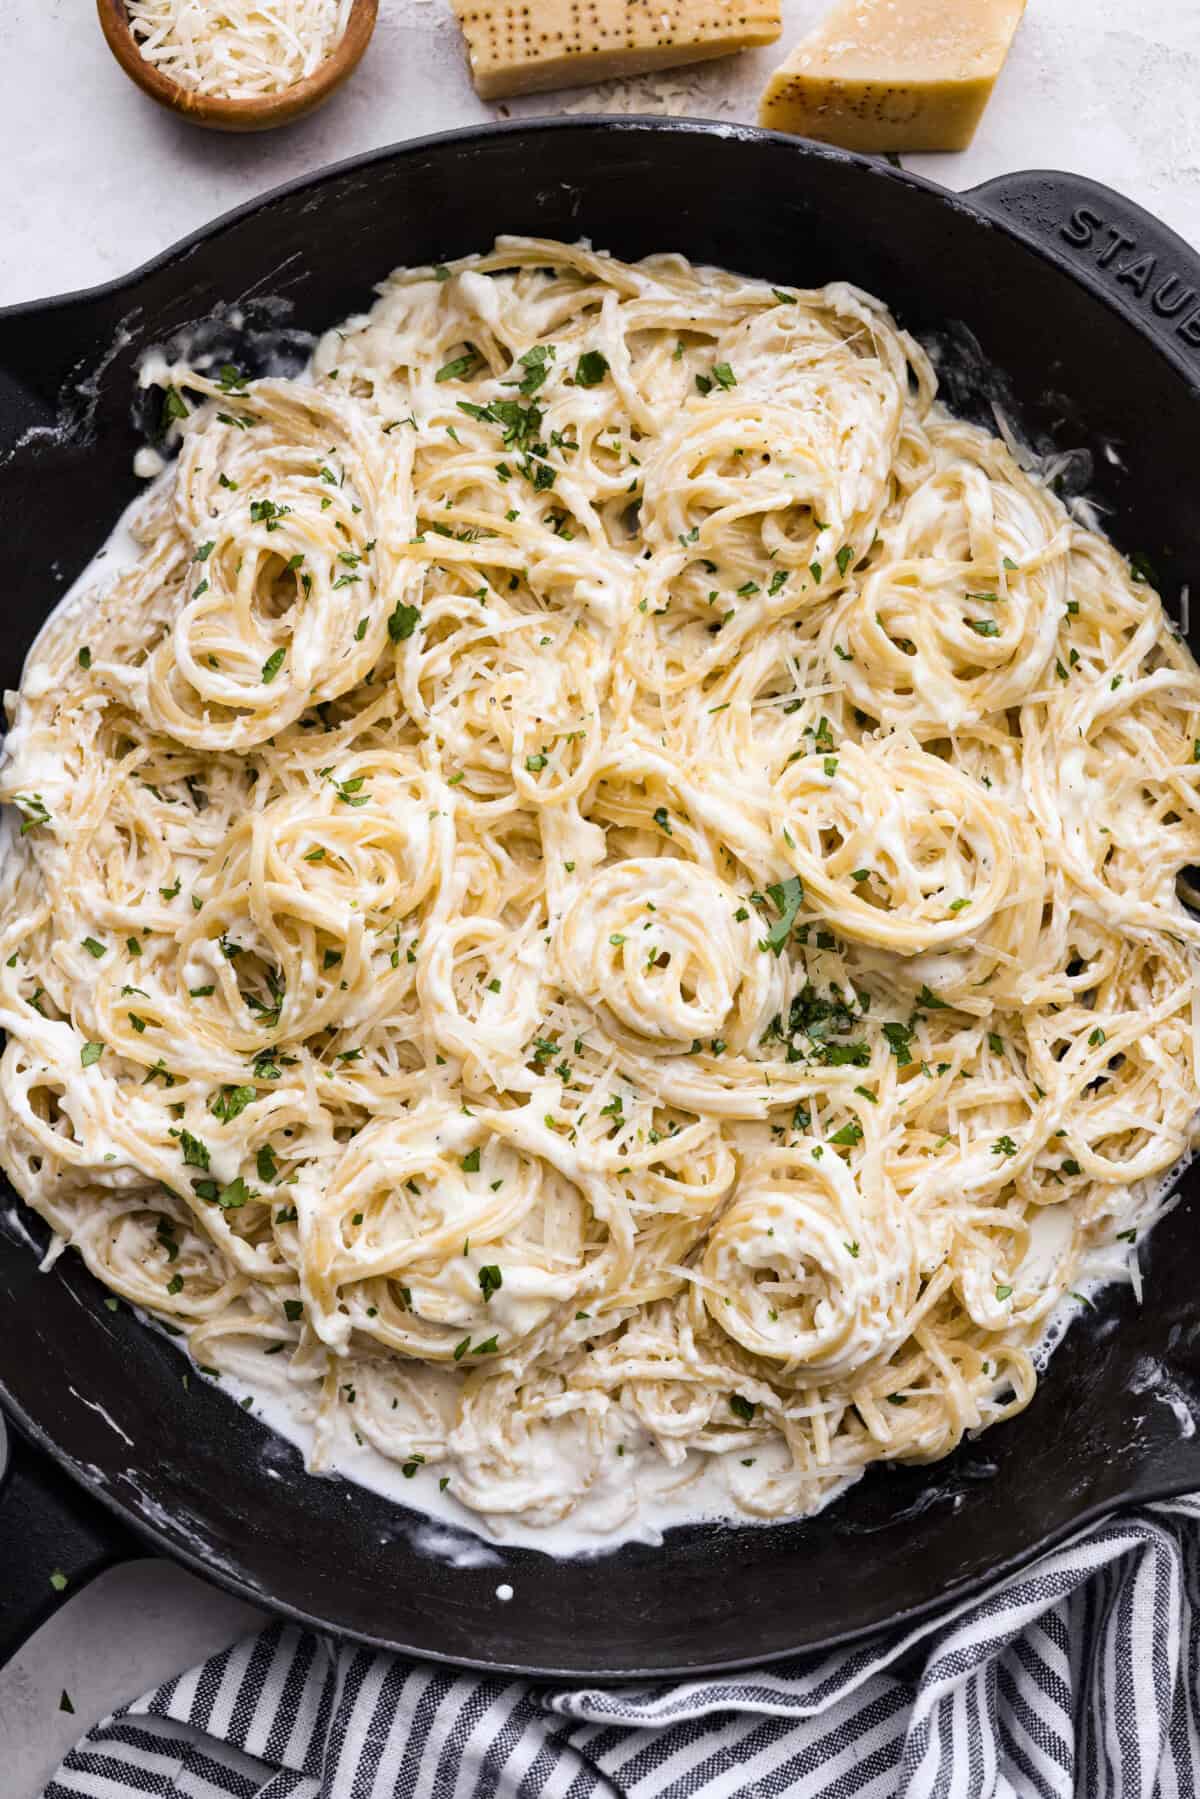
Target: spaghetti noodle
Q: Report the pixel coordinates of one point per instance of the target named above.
(602, 868)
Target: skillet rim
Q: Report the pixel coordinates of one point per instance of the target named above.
(946, 1604)
(965, 200)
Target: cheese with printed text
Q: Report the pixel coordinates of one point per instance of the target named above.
(894, 74)
(522, 49)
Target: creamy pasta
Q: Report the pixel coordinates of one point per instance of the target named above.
(603, 867)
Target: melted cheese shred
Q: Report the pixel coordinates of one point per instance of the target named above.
(237, 49)
(605, 863)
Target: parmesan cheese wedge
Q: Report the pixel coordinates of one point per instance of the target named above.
(523, 46)
(894, 74)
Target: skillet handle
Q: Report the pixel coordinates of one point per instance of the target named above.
(53, 1540)
(1121, 251)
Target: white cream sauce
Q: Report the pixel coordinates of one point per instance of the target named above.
(639, 1496)
(638, 1501)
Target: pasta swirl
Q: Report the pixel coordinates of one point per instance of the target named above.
(606, 881)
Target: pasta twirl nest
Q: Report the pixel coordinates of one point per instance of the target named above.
(602, 884)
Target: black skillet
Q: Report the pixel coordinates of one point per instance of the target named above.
(1093, 310)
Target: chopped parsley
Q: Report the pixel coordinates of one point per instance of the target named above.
(231, 1102)
(721, 376)
(233, 1197)
(32, 805)
(458, 367)
(490, 1281)
(591, 368)
(350, 792)
(403, 622)
(266, 512)
(195, 1150)
(536, 364)
(787, 897)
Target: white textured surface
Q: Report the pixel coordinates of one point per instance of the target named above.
(120, 1636)
(94, 179)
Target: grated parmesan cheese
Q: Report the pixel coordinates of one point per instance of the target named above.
(680, 93)
(237, 49)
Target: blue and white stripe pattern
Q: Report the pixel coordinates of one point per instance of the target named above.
(1078, 1676)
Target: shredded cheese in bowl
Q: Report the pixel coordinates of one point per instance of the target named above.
(238, 49)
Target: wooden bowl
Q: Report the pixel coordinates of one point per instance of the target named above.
(259, 114)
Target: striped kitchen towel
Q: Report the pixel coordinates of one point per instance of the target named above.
(1078, 1676)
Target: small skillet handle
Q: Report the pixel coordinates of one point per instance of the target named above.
(1123, 252)
(53, 1540)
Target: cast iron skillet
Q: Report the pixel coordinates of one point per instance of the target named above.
(1093, 310)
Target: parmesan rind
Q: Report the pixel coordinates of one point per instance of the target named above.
(524, 49)
(894, 74)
